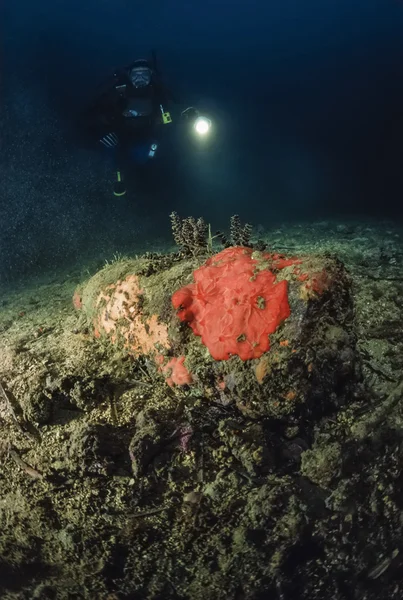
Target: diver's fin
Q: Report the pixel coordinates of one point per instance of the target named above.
(119, 188)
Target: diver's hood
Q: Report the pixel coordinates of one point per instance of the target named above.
(140, 63)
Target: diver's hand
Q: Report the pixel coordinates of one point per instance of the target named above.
(190, 114)
(110, 140)
(129, 112)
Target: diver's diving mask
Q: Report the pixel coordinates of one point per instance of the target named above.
(140, 77)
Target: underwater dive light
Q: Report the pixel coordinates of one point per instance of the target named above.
(202, 125)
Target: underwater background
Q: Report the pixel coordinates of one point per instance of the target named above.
(306, 101)
(201, 389)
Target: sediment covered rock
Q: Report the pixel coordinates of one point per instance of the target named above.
(271, 334)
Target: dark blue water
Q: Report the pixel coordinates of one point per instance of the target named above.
(306, 100)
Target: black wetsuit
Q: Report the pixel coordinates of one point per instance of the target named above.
(134, 115)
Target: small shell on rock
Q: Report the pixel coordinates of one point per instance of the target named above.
(193, 497)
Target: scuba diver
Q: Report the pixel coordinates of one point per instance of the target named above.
(127, 119)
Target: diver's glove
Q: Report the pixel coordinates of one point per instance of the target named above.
(190, 114)
(110, 140)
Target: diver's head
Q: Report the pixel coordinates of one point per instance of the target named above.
(140, 74)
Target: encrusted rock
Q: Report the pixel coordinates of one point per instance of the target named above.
(272, 335)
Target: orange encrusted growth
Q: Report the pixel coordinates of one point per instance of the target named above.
(77, 299)
(315, 284)
(177, 373)
(262, 369)
(235, 302)
(120, 317)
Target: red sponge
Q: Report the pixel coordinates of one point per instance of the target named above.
(234, 304)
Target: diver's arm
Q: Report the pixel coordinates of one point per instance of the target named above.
(165, 99)
(165, 95)
(170, 96)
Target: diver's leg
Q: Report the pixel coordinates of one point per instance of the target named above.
(115, 153)
(119, 188)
